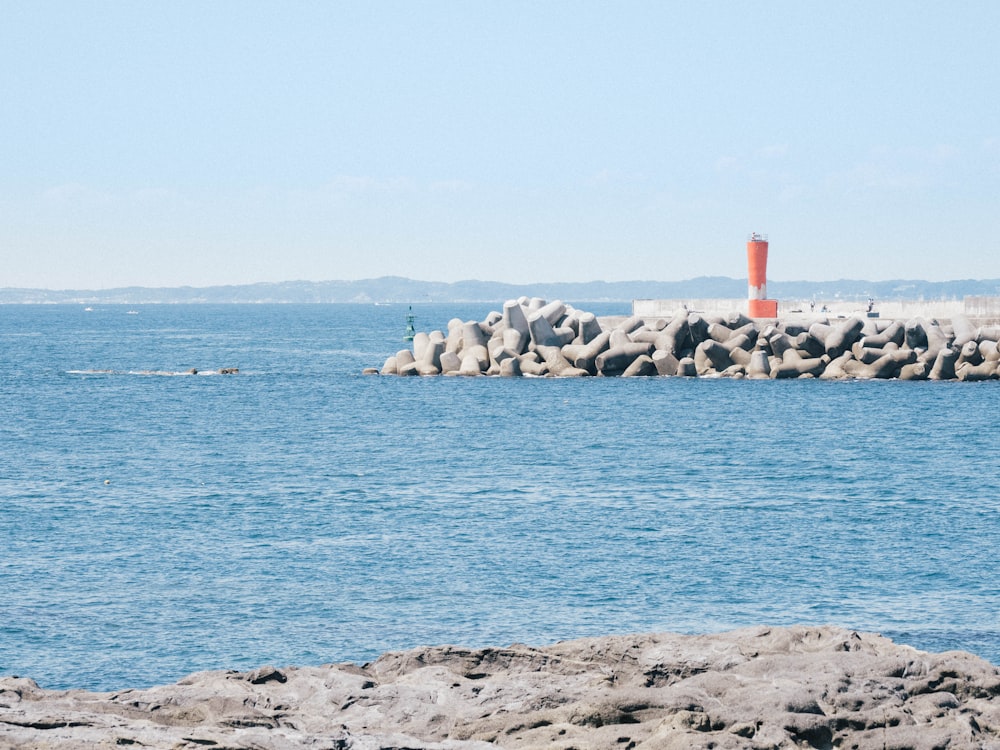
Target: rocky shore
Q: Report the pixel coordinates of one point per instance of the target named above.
(532, 337)
(797, 687)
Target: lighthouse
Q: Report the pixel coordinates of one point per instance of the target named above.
(759, 305)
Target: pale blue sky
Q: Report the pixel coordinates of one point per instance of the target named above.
(200, 143)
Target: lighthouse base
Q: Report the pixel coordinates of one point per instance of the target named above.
(763, 308)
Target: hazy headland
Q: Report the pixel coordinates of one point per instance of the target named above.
(395, 289)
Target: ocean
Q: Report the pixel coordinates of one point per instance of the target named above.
(156, 523)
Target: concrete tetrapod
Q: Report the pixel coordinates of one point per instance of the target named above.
(936, 339)
(514, 318)
(915, 334)
(720, 332)
(542, 332)
(841, 338)
(739, 347)
(471, 365)
(697, 328)
(807, 346)
(514, 341)
(711, 356)
(835, 368)
(963, 330)
(866, 354)
(553, 312)
(510, 368)
(430, 362)
(620, 338)
(642, 365)
(985, 370)
(584, 356)
(673, 337)
(450, 362)
(780, 343)
(820, 332)
(895, 334)
(531, 364)
(406, 363)
(969, 354)
(793, 365)
(590, 328)
(686, 368)
(420, 341)
(914, 371)
(558, 364)
(665, 362)
(988, 333)
(453, 341)
(615, 360)
(630, 324)
(944, 365)
(886, 366)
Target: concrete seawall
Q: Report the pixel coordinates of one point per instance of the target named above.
(982, 310)
(533, 337)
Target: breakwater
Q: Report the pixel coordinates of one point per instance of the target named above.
(534, 337)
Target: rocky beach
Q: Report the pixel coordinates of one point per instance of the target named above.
(762, 687)
(533, 337)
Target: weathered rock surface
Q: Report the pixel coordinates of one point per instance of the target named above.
(798, 687)
(553, 339)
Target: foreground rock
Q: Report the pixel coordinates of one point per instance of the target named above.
(533, 337)
(754, 688)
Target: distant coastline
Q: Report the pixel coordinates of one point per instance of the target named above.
(394, 289)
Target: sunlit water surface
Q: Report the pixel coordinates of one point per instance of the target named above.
(156, 523)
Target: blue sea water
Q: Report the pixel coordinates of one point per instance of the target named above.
(155, 524)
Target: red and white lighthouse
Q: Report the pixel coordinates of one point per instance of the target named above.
(759, 305)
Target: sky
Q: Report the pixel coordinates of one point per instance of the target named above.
(205, 143)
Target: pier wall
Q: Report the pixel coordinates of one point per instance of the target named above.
(982, 310)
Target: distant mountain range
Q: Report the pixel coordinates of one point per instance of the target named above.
(397, 289)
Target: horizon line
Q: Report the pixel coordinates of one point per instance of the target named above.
(486, 281)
